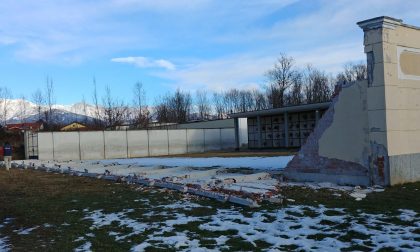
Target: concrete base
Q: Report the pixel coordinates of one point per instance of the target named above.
(404, 168)
(339, 179)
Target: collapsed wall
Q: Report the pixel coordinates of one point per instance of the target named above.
(371, 132)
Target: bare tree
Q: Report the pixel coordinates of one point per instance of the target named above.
(84, 109)
(22, 109)
(260, 100)
(5, 97)
(115, 111)
(295, 95)
(218, 104)
(98, 119)
(352, 72)
(202, 103)
(180, 105)
(141, 115)
(39, 100)
(50, 101)
(274, 96)
(174, 108)
(317, 88)
(162, 109)
(280, 78)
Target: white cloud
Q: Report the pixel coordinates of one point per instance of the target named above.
(143, 62)
(248, 70)
(239, 71)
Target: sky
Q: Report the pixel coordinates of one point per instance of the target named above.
(166, 44)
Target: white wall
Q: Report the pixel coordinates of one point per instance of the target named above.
(138, 143)
(66, 145)
(115, 144)
(158, 142)
(92, 145)
(177, 141)
(195, 140)
(211, 139)
(45, 146)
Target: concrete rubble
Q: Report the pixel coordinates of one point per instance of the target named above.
(240, 186)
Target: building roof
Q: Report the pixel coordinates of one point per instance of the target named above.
(20, 126)
(73, 126)
(276, 111)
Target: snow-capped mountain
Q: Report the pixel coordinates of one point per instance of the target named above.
(18, 110)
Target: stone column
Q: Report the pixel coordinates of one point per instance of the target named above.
(236, 125)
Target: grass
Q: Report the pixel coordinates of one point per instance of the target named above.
(56, 203)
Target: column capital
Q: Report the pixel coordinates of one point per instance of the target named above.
(379, 22)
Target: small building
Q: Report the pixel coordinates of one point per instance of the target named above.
(35, 126)
(73, 126)
(285, 127)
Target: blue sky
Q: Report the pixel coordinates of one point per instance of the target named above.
(195, 44)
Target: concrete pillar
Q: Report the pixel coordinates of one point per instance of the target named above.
(392, 49)
(316, 116)
(286, 129)
(259, 140)
(236, 124)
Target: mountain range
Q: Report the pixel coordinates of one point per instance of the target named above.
(19, 110)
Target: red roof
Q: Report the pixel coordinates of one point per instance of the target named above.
(24, 126)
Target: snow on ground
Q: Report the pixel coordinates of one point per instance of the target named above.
(25, 231)
(307, 228)
(266, 163)
(84, 247)
(205, 172)
(4, 246)
(251, 174)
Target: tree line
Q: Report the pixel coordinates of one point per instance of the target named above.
(286, 85)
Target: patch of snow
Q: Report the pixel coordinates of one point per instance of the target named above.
(407, 215)
(141, 247)
(25, 231)
(4, 246)
(186, 205)
(81, 238)
(101, 219)
(84, 248)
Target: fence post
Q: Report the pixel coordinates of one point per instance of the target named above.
(186, 139)
(167, 137)
(148, 144)
(103, 136)
(53, 145)
(80, 150)
(220, 139)
(126, 140)
(204, 142)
